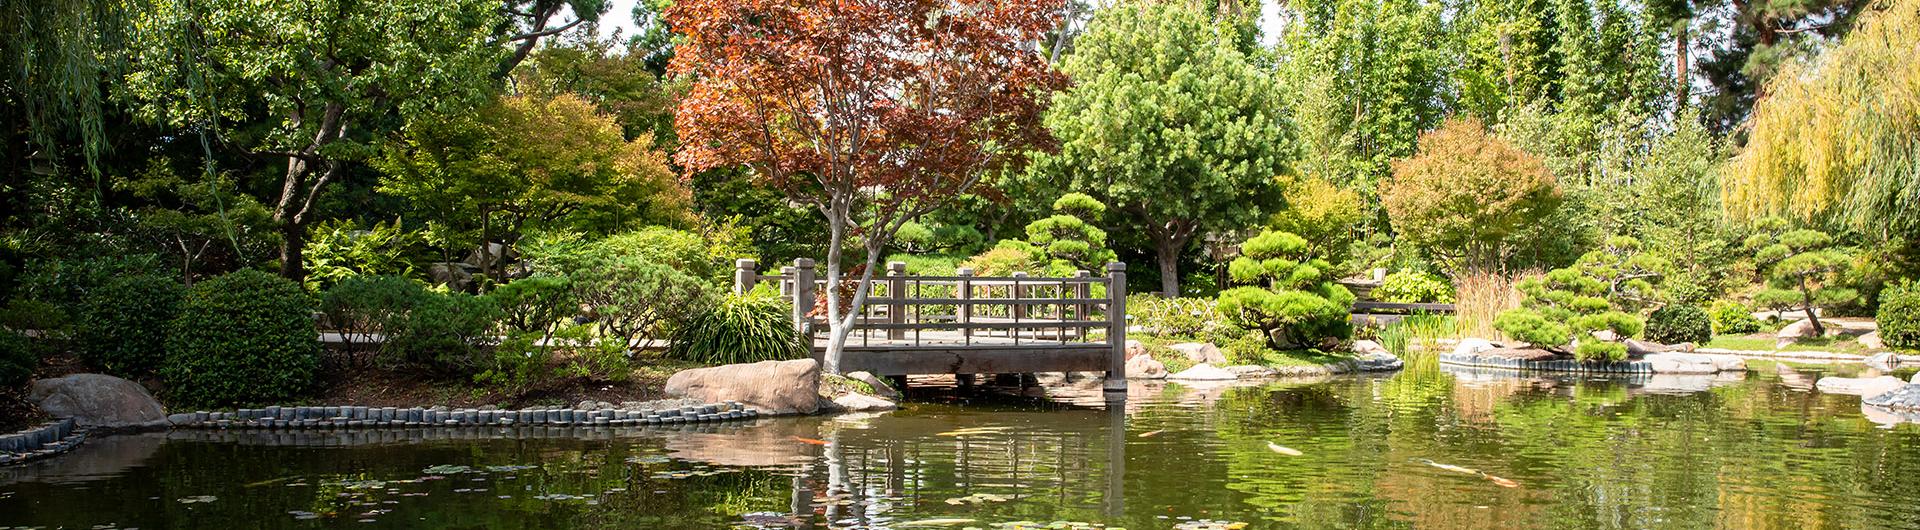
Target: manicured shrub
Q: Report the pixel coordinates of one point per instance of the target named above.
(1803, 269)
(121, 329)
(1005, 258)
(1675, 324)
(740, 329)
(1899, 316)
(1173, 317)
(363, 307)
(1414, 287)
(244, 337)
(1585, 298)
(534, 304)
(1599, 351)
(28, 313)
(685, 251)
(632, 299)
(1526, 325)
(445, 332)
(17, 359)
(1734, 318)
(1295, 302)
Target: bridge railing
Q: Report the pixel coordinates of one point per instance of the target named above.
(962, 312)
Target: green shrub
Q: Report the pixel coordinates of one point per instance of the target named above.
(444, 332)
(1734, 318)
(27, 313)
(1295, 301)
(244, 337)
(1596, 351)
(535, 304)
(17, 359)
(1899, 315)
(633, 299)
(1172, 317)
(1414, 287)
(685, 251)
(341, 249)
(740, 329)
(1675, 324)
(1526, 325)
(363, 307)
(121, 329)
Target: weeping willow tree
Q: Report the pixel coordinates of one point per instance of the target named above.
(56, 53)
(1838, 138)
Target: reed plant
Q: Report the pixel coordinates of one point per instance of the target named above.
(1481, 296)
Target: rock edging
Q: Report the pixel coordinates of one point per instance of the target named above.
(350, 417)
(1557, 365)
(46, 440)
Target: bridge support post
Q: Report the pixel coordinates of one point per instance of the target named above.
(803, 299)
(964, 288)
(745, 274)
(1117, 328)
(897, 290)
(1081, 310)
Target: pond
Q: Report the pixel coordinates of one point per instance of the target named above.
(1429, 447)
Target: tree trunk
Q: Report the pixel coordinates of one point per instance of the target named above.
(1169, 258)
(1681, 60)
(1818, 330)
(293, 239)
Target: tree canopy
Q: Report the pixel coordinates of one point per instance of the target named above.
(1467, 194)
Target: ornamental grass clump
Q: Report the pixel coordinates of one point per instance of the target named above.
(1286, 293)
(740, 329)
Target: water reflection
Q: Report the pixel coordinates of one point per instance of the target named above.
(1421, 448)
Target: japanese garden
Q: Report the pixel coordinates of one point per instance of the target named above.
(987, 264)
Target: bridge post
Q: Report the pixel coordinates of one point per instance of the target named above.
(897, 290)
(745, 274)
(1081, 310)
(964, 288)
(1117, 327)
(1018, 291)
(803, 298)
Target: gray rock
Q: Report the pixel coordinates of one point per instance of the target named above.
(1144, 367)
(1249, 371)
(1872, 341)
(1135, 349)
(1201, 352)
(1904, 398)
(880, 387)
(1859, 386)
(1204, 372)
(1364, 347)
(1884, 361)
(857, 402)
(1471, 346)
(1681, 363)
(1378, 362)
(96, 400)
(774, 387)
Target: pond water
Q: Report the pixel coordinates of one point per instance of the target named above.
(1429, 447)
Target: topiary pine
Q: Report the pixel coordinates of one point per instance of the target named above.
(1292, 296)
(1575, 301)
(1802, 268)
(1067, 240)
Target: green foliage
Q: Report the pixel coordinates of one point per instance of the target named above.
(445, 332)
(1170, 122)
(535, 304)
(740, 329)
(243, 337)
(1734, 318)
(1598, 351)
(1005, 258)
(340, 249)
(1467, 195)
(1067, 241)
(1527, 325)
(1172, 317)
(1366, 77)
(1079, 205)
(1899, 315)
(633, 299)
(1324, 214)
(361, 308)
(684, 251)
(1414, 287)
(17, 359)
(1296, 302)
(27, 313)
(121, 328)
(1675, 324)
(1803, 268)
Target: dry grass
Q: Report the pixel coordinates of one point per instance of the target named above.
(1482, 296)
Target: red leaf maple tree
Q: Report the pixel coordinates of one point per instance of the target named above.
(873, 111)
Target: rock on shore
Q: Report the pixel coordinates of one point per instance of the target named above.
(773, 387)
(97, 400)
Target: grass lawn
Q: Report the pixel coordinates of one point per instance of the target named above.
(1764, 342)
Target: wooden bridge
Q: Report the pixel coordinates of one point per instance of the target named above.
(965, 324)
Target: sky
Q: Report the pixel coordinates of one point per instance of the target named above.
(620, 18)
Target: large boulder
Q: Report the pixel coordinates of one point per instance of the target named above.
(773, 387)
(1472, 346)
(1904, 398)
(1681, 363)
(1201, 352)
(1640, 348)
(1802, 329)
(1204, 372)
(1135, 349)
(1144, 367)
(1859, 386)
(1378, 362)
(97, 400)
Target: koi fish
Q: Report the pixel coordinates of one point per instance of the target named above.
(1289, 451)
(1497, 481)
(973, 430)
(1151, 434)
(809, 441)
(937, 522)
